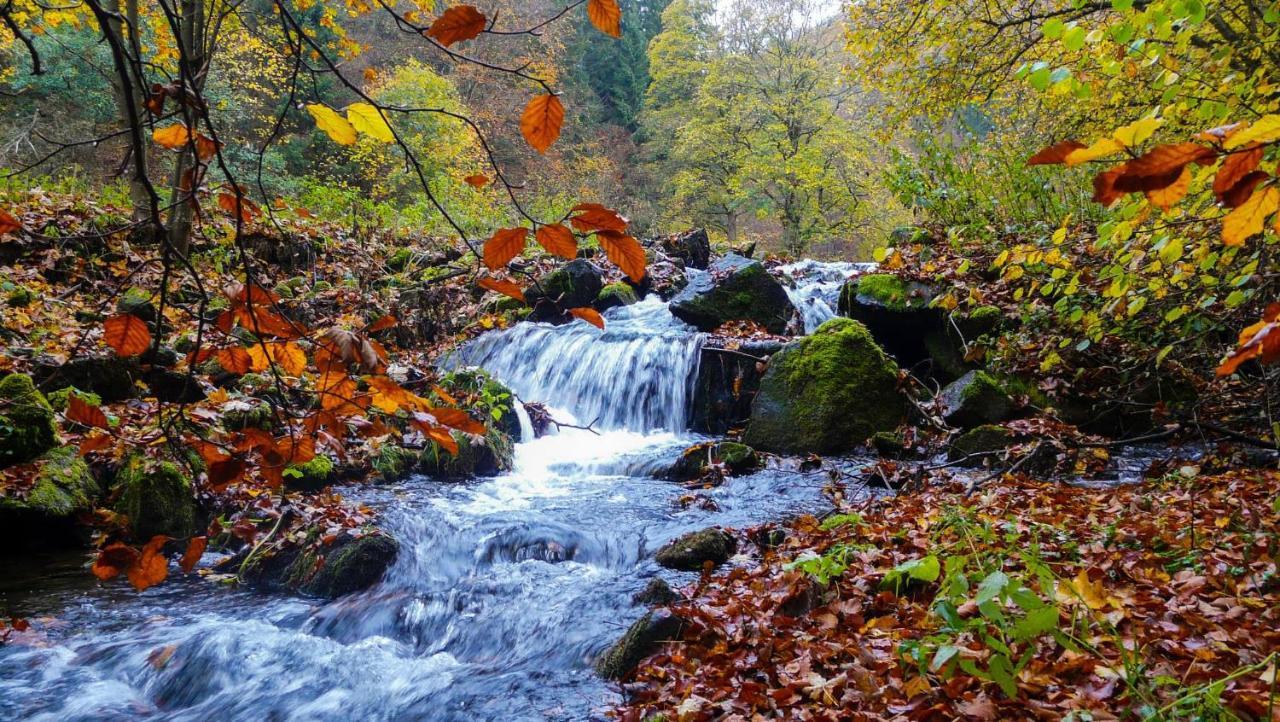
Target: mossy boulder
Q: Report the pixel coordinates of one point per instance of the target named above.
(974, 399)
(156, 496)
(614, 295)
(656, 592)
(733, 457)
(826, 393)
(734, 289)
(248, 413)
(313, 475)
(573, 285)
(347, 565)
(690, 552)
(888, 444)
(28, 427)
(137, 301)
(393, 462)
(63, 487)
(885, 291)
(980, 441)
(60, 398)
(489, 455)
(641, 639)
(110, 377)
(20, 297)
(491, 398)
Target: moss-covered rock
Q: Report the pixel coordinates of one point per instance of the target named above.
(248, 413)
(573, 285)
(157, 498)
(691, 551)
(733, 457)
(63, 486)
(27, 424)
(887, 291)
(59, 399)
(489, 455)
(399, 260)
(110, 377)
(693, 248)
(979, 441)
(137, 301)
(974, 399)
(490, 397)
(888, 444)
(393, 462)
(614, 295)
(314, 475)
(656, 592)
(640, 640)
(348, 565)
(826, 393)
(734, 289)
(20, 297)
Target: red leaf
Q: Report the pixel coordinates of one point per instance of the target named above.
(505, 245)
(503, 286)
(1243, 189)
(9, 224)
(113, 560)
(477, 181)
(606, 16)
(1056, 153)
(382, 324)
(1234, 169)
(79, 411)
(127, 334)
(458, 23)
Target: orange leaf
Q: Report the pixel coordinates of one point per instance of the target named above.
(1243, 189)
(1247, 220)
(127, 334)
(1234, 169)
(151, 568)
(505, 245)
(477, 181)
(438, 434)
(1165, 159)
(173, 137)
(1104, 186)
(79, 411)
(289, 356)
(595, 217)
(389, 396)
(625, 252)
(1165, 198)
(558, 241)
(503, 286)
(1056, 153)
(541, 122)
(606, 16)
(195, 550)
(1260, 341)
(457, 419)
(590, 315)
(386, 322)
(238, 206)
(114, 559)
(236, 360)
(94, 441)
(8, 224)
(458, 23)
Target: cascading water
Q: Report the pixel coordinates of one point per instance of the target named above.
(504, 591)
(816, 288)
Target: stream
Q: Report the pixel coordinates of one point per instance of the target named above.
(505, 589)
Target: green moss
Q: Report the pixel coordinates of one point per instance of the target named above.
(20, 297)
(27, 423)
(691, 551)
(826, 393)
(157, 497)
(615, 294)
(488, 457)
(136, 301)
(58, 399)
(889, 291)
(399, 260)
(315, 474)
(976, 398)
(321, 286)
(985, 439)
(248, 413)
(63, 486)
(393, 462)
(888, 444)
(738, 457)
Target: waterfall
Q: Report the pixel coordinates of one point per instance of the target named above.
(636, 375)
(816, 289)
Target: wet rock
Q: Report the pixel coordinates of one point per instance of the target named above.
(494, 397)
(689, 552)
(314, 475)
(173, 387)
(157, 497)
(489, 455)
(733, 457)
(693, 248)
(975, 399)
(640, 640)
(63, 487)
(573, 285)
(725, 385)
(614, 295)
(656, 593)
(826, 393)
(888, 444)
(28, 426)
(348, 565)
(734, 289)
(109, 377)
(985, 440)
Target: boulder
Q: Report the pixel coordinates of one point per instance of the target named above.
(314, 475)
(980, 441)
(573, 285)
(975, 399)
(689, 552)
(733, 457)
(656, 592)
(888, 444)
(28, 427)
(640, 640)
(157, 498)
(490, 455)
(109, 377)
(347, 565)
(826, 393)
(614, 295)
(726, 383)
(693, 248)
(734, 289)
(63, 487)
(173, 387)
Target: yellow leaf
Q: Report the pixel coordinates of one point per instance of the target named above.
(1264, 130)
(1247, 220)
(1100, 149)
(1137, 132)
(1091, 593)
(333, 125)
(368, 120)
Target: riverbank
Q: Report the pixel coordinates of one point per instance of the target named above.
(1022, 600)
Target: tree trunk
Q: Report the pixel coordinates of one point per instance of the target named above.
(184, 183)
(129, 103)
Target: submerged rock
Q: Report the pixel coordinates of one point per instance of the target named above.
(157, 498)
(735, 459)
(689, 552)
(27, 424)
(974, 399)
(826, 393)
(656, 593)
(734, 289)
(640, 640)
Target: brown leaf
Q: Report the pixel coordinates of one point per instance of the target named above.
(79, 411)
(1248, 220)
(557, 240)
(595, 217)
(9, 224)
(590, 315)
(1104, 186)
(95, 441)
(389, 396)
(1165, 198)
(151, 567)
(225, 473)
(477, 181)
(238, 207)
(1260, 341)
(1243, 189)
(195, 550)
(382, 324)
(503, 286)
(235, 359)
(1056, 153)
(458, 23)
(457, 419)
(1164, 159)
(127, 334)
(541, 122)
(1235, 167)
(606, 16)
(114, 559)
(506, 243)
(625, 252)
